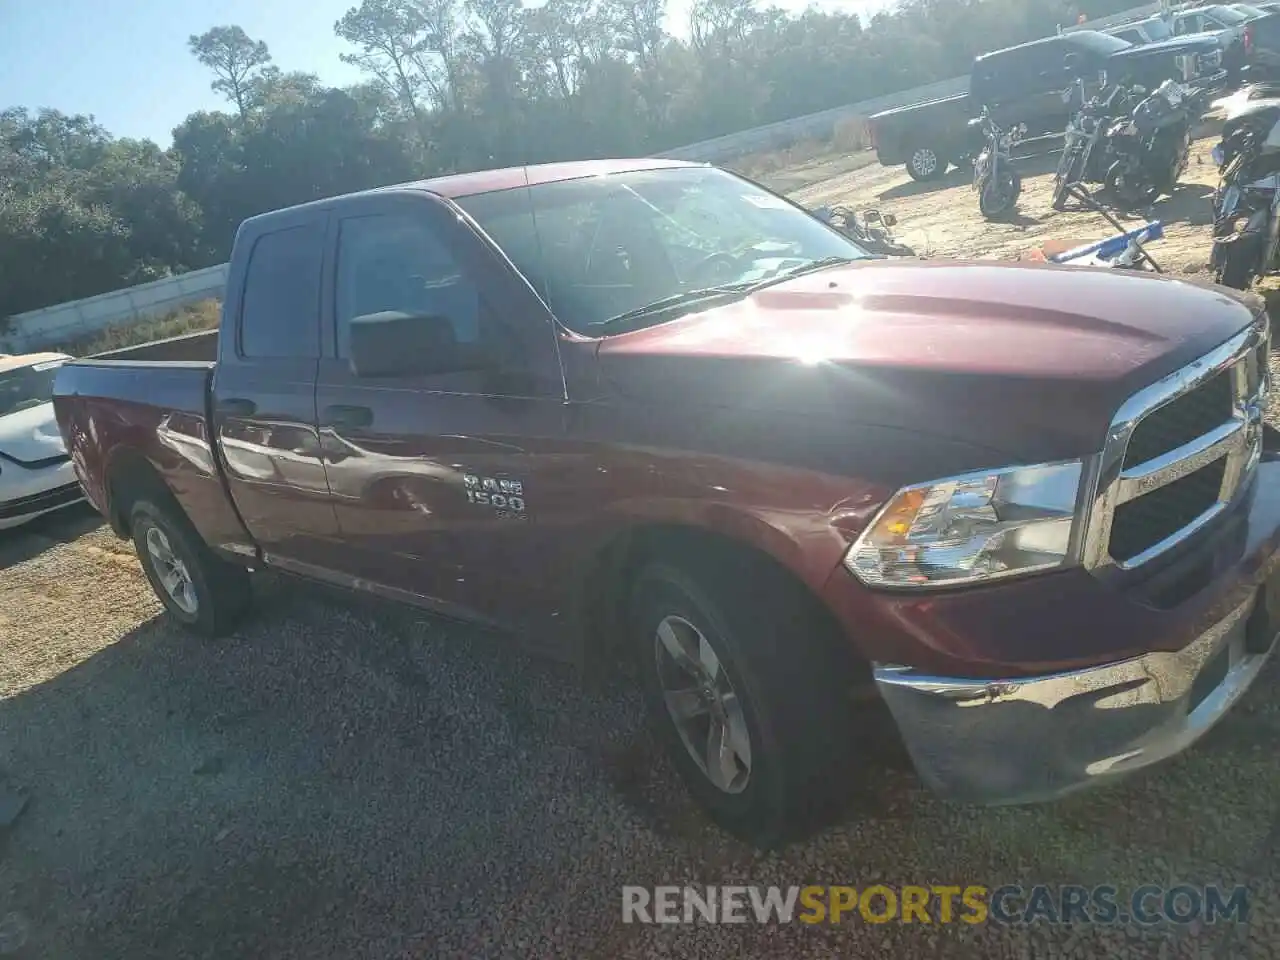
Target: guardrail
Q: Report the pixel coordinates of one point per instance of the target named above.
(69, 321)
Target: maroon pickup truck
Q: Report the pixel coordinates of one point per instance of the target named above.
(650, 409)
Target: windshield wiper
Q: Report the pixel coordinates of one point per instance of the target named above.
(724, 292)
(800, 269)
(686, 298)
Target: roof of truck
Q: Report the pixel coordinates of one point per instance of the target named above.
(489, 181)
(12, 361)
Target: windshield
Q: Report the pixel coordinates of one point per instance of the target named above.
(602, 247)
(26, 387)
(1227, 15)
(1157, 30)
(1096, 42)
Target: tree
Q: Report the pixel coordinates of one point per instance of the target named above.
(235, 59)
(451, 85)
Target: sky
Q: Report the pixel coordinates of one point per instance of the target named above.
(126, 61)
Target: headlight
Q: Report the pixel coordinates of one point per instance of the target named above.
(975, 527)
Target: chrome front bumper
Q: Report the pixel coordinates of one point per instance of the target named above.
(1031, 739)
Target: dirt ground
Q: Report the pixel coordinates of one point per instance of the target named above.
(941, 218)
(343, 780)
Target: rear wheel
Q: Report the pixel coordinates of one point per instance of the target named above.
(744, 686)
(201, 591)
(1129, 188)
(925, 163)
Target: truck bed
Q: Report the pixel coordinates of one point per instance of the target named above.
(127, 409)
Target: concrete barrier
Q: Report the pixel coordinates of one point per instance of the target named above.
(69, 321)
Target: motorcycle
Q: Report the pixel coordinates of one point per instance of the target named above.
(1084, 152)
(1246, 204)
(1149, 149)
(994, 178)
(873, 231)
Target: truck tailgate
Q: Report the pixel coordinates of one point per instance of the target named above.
(119, 417)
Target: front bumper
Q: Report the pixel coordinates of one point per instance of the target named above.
(26, 492)
(1033, 738)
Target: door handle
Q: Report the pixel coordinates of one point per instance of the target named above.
(343, 415)
(236, 407)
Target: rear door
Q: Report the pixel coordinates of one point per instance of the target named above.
(264, 391)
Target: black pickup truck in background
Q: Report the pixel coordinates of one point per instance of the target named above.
(1024, 84)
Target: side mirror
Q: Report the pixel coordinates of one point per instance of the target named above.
(889, 220)
(394, 344)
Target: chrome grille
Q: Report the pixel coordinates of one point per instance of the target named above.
(1178, 452)
(1182, 419)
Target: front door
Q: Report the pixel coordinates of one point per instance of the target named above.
(434, 474)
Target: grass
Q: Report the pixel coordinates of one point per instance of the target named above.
(190, 319)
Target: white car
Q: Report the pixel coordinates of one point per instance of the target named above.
(36, 475)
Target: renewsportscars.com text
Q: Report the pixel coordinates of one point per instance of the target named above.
(878, 903)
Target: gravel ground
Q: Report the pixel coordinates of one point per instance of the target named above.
(343, 780)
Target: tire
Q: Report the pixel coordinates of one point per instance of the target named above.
(925, 163)
(1116, 184)
(994, 201)
(773, 650)
(1064, 178)
(210, 595)
(1237, 270)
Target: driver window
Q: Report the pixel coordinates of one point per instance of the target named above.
(395, 262)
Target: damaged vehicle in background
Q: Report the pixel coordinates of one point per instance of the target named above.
(35, 472)
(647, 410)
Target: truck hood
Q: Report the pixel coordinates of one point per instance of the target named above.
(1031, 360)
(31, 435)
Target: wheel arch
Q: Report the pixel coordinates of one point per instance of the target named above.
(131, 477)
(602, 589)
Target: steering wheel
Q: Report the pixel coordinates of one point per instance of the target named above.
(713, 269)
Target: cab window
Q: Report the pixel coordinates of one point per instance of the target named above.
(280, 311)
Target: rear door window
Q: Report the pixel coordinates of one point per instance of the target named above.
(280, 312)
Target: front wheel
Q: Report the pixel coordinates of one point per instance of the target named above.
(1065, 177)
(925, 163)
(997, 196)
(743, 687)
(201, 591)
